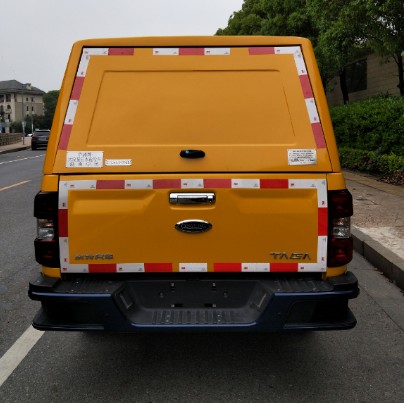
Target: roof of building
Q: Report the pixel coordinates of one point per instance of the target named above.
(14, 86)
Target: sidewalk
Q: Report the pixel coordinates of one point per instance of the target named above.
(17, 146)
(377, 224)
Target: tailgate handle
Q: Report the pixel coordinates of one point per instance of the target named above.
(192, 198)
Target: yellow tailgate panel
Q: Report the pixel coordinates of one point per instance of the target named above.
(259, 223)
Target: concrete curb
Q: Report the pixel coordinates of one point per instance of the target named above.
(382, 258)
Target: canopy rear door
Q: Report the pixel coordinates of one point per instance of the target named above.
(247, 109)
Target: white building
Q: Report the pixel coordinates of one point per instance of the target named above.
(17, 101)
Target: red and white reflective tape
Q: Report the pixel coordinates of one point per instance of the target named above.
(194, 267)
(100, 265)
(191, 51)
(143, 268)
(86, 55)
(129, 51)
(304, 82)
(226, 183)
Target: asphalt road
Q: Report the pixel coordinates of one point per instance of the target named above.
(365, 364)
(20, 178)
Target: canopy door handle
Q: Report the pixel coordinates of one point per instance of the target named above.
(192, 154)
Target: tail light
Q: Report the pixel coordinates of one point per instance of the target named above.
(340, 244)
(47, 241)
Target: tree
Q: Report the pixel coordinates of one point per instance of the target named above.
(50, 100)
(299, 18)
(247, 21)
(340, 30)
(271, 17)
(30, 123)
(386, 32)
(342, 35)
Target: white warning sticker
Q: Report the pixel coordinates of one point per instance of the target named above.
(304, 156)
(193, 267)
(118, 163)
(84, 159)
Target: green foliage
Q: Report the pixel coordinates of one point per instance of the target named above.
(271, 17)
(246, 21)
(50, 100)
(17, 127)
(331, 26)
(371, 161)
(341, 34)
(370, 134)
(338, 29)
(43, 122)
(386, 26)
(375, 124)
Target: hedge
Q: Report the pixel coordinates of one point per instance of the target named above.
(370, 134)
(371, 161)
(375, 124)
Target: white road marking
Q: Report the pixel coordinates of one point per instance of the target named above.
(21, 159)
(17, 352)
(13, 186)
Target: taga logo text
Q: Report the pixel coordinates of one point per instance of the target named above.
(290, 256)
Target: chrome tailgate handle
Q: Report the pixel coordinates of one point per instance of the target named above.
(192, 198)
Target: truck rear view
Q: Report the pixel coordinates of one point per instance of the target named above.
(193, 183)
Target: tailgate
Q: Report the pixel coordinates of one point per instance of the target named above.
(237, 223)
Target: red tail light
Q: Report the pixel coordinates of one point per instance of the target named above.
(340, 244)
(47, 241)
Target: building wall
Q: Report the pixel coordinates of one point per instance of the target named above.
(19, 106)
(22, 107)
(382, 78)
(6, 105)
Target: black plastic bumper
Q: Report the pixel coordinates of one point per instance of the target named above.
(158, 303)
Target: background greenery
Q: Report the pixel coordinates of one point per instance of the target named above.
(338, 29)
(370, 134)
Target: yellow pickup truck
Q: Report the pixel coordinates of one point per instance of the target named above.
(193, 183)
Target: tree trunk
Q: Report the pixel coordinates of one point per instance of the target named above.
(400, 74)
(343, 86)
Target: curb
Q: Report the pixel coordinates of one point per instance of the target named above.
(11, 150)
(390, 264)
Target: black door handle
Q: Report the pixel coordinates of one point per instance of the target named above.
(192, 154)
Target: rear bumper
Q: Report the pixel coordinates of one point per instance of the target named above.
(282, 303)
(39, 142)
